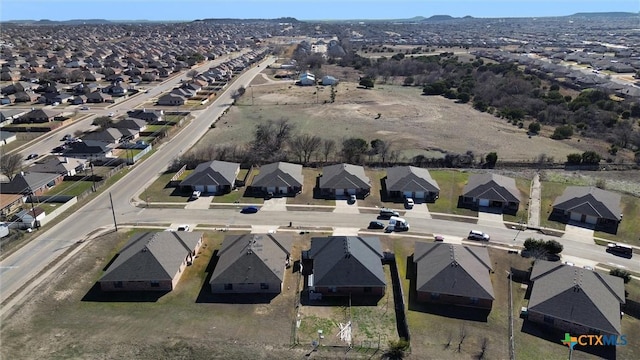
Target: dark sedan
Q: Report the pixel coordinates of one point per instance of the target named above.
(376, 225)
(249, 210)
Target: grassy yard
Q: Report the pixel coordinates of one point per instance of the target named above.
(524, 185)
(629, 228)
(451, 183)
(549, 192)
(373, 200)
(306, 197)
(71, 188)
(159, 192)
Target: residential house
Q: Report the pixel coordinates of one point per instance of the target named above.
(150, 116)
(89, 149)
(151, 261)
(345, 265)
(307, 79)
(10, 203)
(575, 300)
(492, 191)
(134, 124)
(109, 135)
(344, 179)
(280, 178)
(59, 165)
(38, 116)
(453, 274)
(251, 263)
(588, 205)
(213, 177)
(7, 137)
(411, 182)
(98, 96)
(329, 80)
(28, 183)
(172, 99)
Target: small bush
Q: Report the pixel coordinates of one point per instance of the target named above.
(625, 275)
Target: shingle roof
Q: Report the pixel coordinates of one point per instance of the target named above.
(493, 187)
(30, 181)
(108, 134)
(410, 178)
(213, 173)
(589, 200)
(252, 258)
(577, 295)
(344, 176)
(152, 256)
(56, 164)
(347, 261)
(453, 270)
(280, 174)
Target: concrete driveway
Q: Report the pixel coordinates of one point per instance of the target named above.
(418, 211)
(489, 218)
(343, 207)
(202, 202)
(578, 233)
(275, 204)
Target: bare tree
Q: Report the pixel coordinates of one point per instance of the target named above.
(304, 146)
(463, 335)
(328, 147)
(483, 349)
(270, 138)
(10, 164)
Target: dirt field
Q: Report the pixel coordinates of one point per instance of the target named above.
(415, 124)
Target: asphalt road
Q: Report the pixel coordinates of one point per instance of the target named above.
(25, 263)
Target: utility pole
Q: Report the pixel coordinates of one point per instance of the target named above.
(93, 187)
(113, 211)
(33, 210)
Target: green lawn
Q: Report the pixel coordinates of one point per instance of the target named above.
(159, 192)
(374, 198)
(451, 183)
(629, 228)
(306, 197)
(549, 192)
(156, 128)
(524, 185)
(71, 188)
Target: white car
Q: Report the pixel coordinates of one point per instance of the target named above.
(195, 195)
(408, 203)
(183, 228)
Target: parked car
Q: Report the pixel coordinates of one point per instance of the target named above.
(32, 156)
(111, 114)
(569, 263)
(67, 137)
(84, 108)
(352, 199)
(376, 225)
(386, 213)
(183, 228)
(249, 209)
(408, 203)
(438, 238)
(195, 195)
(478, 235)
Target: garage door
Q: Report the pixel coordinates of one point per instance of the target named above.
(339, 192)
(484, 202)
(408, 194)
(419, 195)
(271, 189)
(591, 220)
(351, 191)
(199, 188)
(212, 188)
(576, 216)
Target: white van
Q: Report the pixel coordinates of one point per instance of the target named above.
(478, 235)
(397, 224)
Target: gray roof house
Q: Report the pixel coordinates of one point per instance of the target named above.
(574, 299)
(280, 178)
(251, 263)
(411, 182)
(151, 261)
(588, 205)
(108, 135)
(491, 190)
(345, 265)
(59, 165)
(27, 183)
(215, 177)
(344, 179)
(453, 274)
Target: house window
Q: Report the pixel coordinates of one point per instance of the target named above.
(435, 296)
(264, 286)
(228, 286)
(155, 283)
(333, 289)
(548, 320)
(118, 285)
(367, 289)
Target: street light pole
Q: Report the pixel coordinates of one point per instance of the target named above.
(113, 211)
(33, 209)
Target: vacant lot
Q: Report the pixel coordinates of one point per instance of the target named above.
(415, 124)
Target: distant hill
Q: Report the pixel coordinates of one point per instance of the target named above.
(440, 18)
(606, 14)
(230, 20)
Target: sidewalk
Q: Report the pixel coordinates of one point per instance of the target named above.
(534, 203)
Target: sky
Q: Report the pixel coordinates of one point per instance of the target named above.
(300, 9)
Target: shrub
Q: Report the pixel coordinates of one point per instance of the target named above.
(534, 127)
(553, 247)
(625, 275)
(562, 132)
(574, 159)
